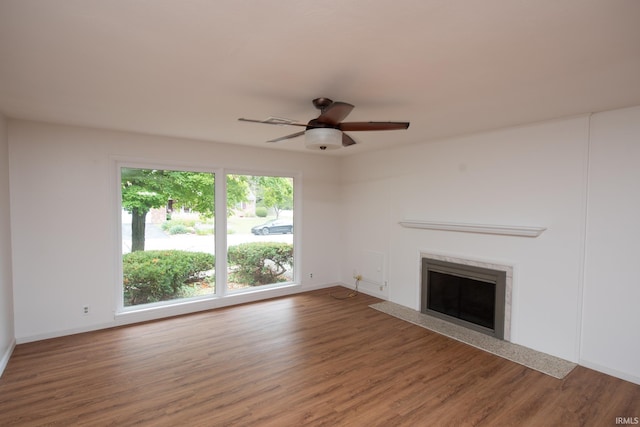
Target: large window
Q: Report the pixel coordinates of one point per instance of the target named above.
(169, 234)
(260, 231)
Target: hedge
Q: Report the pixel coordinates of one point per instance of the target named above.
(260, 263)
(150, 276)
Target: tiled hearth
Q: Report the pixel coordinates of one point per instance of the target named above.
(542, 362)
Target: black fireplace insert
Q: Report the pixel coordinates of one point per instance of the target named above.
(467, 295)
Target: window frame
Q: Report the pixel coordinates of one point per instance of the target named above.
(296, 226)
(192, 304)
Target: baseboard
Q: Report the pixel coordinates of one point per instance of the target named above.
(63, 333)
(364, 290)
(307, 288)
(6, 356)
(613, 372)
(158, 313)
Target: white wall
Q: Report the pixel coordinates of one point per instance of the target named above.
(576, 291)
(7, 336)
(65, 231)
(611, 327)
(531, 175)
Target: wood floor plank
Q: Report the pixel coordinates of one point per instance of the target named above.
(307, 359)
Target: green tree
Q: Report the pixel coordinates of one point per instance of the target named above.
(237, 191)
(193, 190)
(275, 192)
(145, 189)
(142, 190)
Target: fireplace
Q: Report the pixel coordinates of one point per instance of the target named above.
(469, 295)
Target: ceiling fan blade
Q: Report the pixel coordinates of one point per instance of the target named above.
(282, 138)
(273, 121)
(347, 140)
(358, 126)
(335, 113)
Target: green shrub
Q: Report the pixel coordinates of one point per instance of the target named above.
(261, 212)
(178, 229)
(150, 276)
(188, 223)
(260, 263)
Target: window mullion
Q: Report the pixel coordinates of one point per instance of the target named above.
(220, 202)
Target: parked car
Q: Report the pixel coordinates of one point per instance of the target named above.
(275, 226)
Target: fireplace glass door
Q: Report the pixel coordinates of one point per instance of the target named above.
(470, 296)
(462, 297)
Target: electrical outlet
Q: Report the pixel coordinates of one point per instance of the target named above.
(310, 275)
(85, 310)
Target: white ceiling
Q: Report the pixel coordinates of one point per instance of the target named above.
(190, 68)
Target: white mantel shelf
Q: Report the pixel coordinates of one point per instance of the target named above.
(505, 230)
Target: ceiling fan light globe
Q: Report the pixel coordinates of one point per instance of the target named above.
(323, 139)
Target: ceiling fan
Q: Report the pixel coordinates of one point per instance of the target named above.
(327, 130)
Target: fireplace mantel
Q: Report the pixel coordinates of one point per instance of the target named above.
(505, 230)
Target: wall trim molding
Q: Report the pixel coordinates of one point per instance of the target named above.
(609, 371)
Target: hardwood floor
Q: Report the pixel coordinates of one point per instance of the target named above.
(307, 359)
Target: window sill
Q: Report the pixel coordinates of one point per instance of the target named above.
(177, 308)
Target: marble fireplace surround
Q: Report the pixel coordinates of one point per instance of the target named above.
(484, 264)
